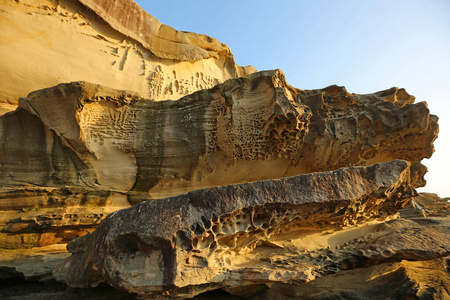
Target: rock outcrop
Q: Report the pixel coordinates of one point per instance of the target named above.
(433, 205)
(218, 237)
(163, 41)
(39, 217)
(81, 139)
(47, 42)
(245, 181)
(404, 279)
(245, 129)
(347, 129)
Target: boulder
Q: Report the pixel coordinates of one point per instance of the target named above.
(218, 237)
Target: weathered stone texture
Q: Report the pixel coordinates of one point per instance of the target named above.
(46, 42)
(130, 19)
(39, 217)
(245, 129)
(168, 115)
(347, 129)
(205, 238)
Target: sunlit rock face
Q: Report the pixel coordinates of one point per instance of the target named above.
(219, 237)
(246, 181)
(246, 129)
(349, 129)
(118, 140)
(252, 128)
(163, 41)
(112, 43)
(33, 217)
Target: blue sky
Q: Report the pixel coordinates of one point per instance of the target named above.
(365, 45)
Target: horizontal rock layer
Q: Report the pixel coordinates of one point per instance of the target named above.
(246, 129)
(209, 238)
(95, 139)
(39, 217)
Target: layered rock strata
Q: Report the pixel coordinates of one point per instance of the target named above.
(246, 129)
(178, 115)
(429, 279)
(217, 237)
(88, 135)
(88, 139)
(39, 217)
(348, 129)
(163, 41)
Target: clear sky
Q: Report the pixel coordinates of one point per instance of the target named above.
(364, 45)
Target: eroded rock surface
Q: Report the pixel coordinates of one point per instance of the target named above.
(101, 141)
(348, 129)
(39, 217)
(433, 205)
(429, 279)
(246, 129)
(218, 237)
(178, 115)
(96, 136)
(130, 19)
(47, 42)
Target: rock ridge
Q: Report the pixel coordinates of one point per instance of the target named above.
(127, 47)
(129, 18)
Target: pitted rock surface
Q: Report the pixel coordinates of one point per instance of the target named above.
(246, 129)
(201, 240)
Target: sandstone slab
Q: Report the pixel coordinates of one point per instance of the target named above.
(39, 217)
(251, 128)
(207, 239)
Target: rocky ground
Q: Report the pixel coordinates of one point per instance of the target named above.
(361, 262)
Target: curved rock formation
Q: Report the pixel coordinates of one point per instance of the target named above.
(348, 129)
(209, 238)
(105, 141)
(47, 42)
(246, 129)
(118, 140)
(130, 19)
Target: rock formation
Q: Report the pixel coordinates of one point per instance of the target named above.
(245, 129)
(210, 238)
(81, 140)
(47, 42)
(103, 107)
(163, 41)
(404, 279)
(39, 217)
(433, 205)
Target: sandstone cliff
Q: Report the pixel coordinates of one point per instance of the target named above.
(239, 181)
(252, 128)
(46, 42)
(81, 141)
